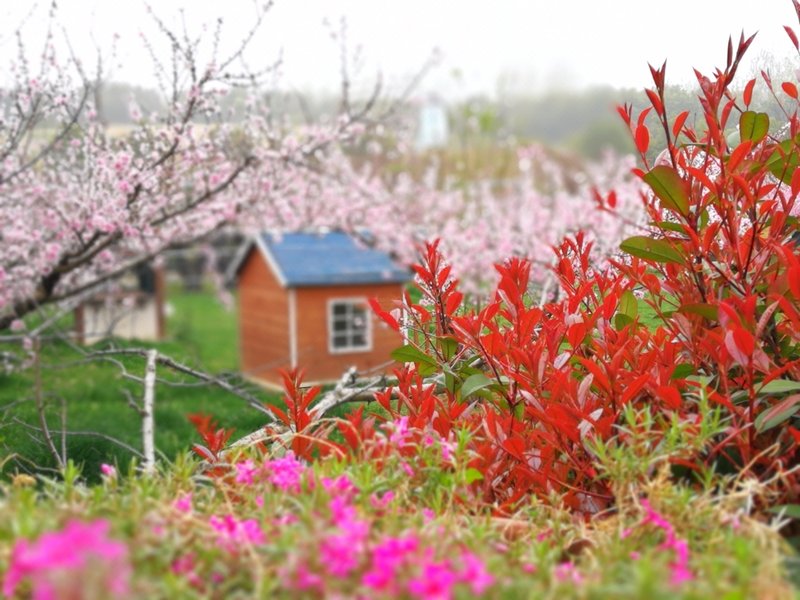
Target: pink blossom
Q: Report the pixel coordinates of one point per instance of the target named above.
(567, 572)
(679, 567)
(399, 431)
(232, 532)
(183, 503)
(246, 472)
(108, 471)
(185, 565)
(474, 573)
(388, 557)
(306, 580)
(340, 486)
(435, 582)
(57, 563)
(381, 502)
(285, 473)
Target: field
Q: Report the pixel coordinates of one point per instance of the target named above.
(200, 333)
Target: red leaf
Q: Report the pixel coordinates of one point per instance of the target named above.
(739, 153)
(670, 396)
(748, 92)
(515, 447)
(679, 121)
(655, 101)
(642, 138)
(792, 36)
(790, 89)
(796, 182)
(385, 316)
(793, 275)
(634, 388)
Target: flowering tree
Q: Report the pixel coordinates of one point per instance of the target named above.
(79, 206)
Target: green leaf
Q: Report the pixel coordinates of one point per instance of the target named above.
(709, 311)
(682, 371)
(669, 188)
(779, 386)
(753, 126)
(621, 321)
(775, 415)
(628, 305)
(788, 510)
(448, 346)
(627, 310)
(651, 249)
(784, 160)
(475, 383)
(409, 353)
(472, 475)
(670, 226)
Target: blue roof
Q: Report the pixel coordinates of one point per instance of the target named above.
(308, 259)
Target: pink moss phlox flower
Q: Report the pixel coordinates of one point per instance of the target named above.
(679, 567)
(447, 451)
(407, 469)
(474, 573)
(183, 503)
(185, 565)
(246, 472)
(108, 471)
(306, 580)
(388, 556)
(286, 472)
(56, 564)
(232, 532)
(340, 486)
(435, 581)
(567, 572)
(399, 429)
(287, 519)
(379, 502)
(428, 515)
(342, 552)
(529, 567)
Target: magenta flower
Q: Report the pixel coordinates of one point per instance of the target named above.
(567, 572)
(246, 472)
(184, 503)
(435, 582)
(388, 557)
(285, 473)
(474, 573)
(108, 471)
(57, 563)
(233, 533)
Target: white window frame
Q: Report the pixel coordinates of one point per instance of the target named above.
(361, 302)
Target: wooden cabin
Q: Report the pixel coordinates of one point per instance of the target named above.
(303, 302)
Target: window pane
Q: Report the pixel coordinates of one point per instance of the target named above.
(339, 325)
(339, 309)
(359, 340)
(340, 341)
(359, 320)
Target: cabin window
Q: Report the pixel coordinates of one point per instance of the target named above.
(348, 326)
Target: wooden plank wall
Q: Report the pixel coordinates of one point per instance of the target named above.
(312, 325)
(263, 321)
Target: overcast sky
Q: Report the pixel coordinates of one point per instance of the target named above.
(522, 45)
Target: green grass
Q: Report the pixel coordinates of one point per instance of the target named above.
(201, 333)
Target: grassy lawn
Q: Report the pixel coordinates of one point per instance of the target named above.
(201, 334)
